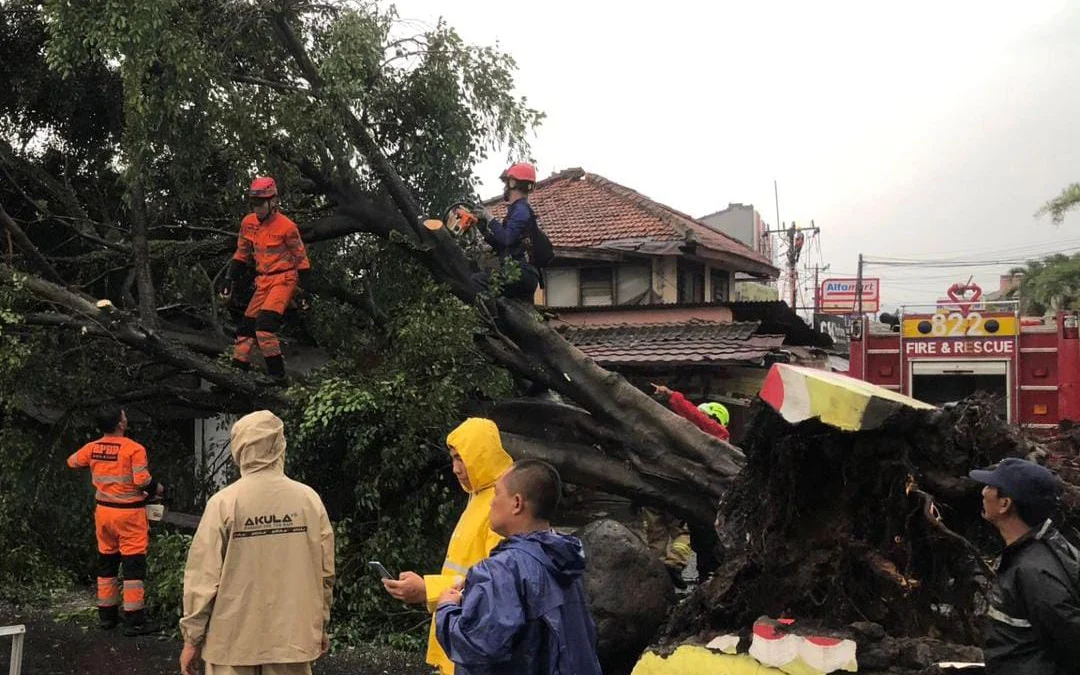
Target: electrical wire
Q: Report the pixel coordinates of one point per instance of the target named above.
(1049, 247)
(958, 262)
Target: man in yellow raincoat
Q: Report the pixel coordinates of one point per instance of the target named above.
(479, 460)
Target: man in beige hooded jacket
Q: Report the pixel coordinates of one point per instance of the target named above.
(260, 571)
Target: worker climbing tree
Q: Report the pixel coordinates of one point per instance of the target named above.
(518, 237)
(270, 241)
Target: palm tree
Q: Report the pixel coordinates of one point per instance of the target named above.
(1060, 205)
(1049, 284)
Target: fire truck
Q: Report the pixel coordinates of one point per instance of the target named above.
(944, 352)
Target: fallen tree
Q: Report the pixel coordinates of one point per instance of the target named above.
(341, 158)
(834, 528)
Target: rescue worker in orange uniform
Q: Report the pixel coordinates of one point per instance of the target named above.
(271, 242)
(122, 479)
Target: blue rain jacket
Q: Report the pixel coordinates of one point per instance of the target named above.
(523, 611)
(507, 236)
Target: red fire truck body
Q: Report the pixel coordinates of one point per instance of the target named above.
(951, 350)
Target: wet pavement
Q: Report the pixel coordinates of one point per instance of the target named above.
(62, 640)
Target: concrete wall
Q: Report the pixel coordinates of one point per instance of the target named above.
(563, 283)
(751, 291)
(737, 221)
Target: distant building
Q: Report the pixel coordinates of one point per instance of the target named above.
(1007, 283)
(650, 292)
(744, 223)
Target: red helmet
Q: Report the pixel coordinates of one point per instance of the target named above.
(263, 187)
(521, 171)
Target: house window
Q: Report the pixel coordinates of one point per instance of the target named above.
(691, 282)
(721, 290)
(561, 287)
(597, 286)
(633, 284)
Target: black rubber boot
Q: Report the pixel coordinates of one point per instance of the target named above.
(275, 368)
(108, 617)
(135, 623)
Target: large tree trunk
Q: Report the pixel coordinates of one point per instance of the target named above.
(619, 440)
(691, 466)
(140, 247)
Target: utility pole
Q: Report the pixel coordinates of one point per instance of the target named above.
(795, 240)
(858, 290)
(817, 286)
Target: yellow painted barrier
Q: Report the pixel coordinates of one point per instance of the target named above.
(694, 660)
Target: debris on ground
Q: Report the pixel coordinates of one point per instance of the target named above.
(832, 529)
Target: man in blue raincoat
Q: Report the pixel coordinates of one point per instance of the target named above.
(522, 610)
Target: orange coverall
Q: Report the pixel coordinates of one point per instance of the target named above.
(279, 255)
(121, 477)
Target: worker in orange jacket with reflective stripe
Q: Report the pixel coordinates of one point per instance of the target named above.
(122, 479)
(271, 242)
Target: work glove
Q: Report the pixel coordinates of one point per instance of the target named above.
(303, 300)
(303, 296)
(228, 285)
(485, 215)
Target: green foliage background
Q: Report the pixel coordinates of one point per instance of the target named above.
(107, 96)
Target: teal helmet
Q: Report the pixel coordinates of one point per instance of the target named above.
(717, 411)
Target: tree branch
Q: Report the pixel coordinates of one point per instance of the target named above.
(52, 186)
(390, 178)
(199, 399)
(197, 342)
(28, 248)
(280, 86)
(144, 280)
(121, 328)
(60, 191)
(584, 465)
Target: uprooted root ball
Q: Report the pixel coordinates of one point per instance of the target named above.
(830, 527)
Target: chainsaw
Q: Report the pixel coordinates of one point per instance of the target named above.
(458, 219)
(158, 511)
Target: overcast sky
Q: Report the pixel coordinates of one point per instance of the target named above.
(914, 130)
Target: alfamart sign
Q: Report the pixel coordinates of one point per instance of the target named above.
(840, 296)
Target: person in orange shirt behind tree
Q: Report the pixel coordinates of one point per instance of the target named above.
(270, 241)
(121, 477)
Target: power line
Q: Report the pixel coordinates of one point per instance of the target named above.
(1054, 246)
(962, 262)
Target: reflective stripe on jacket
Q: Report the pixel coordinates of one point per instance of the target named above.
(1033, 620)
(119, 468)
(274, 244)
(477, 441)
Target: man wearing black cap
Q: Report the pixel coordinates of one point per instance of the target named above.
(1033, 618)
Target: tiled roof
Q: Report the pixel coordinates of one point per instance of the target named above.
(695, 342)
(580, 210)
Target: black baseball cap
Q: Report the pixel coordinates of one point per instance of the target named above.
(1024, 481)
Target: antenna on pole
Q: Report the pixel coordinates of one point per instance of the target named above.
(776, 197)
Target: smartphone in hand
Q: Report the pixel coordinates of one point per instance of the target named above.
(378, 567)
